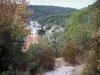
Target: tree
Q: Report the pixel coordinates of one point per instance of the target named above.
(22, 18)
(79, 29)
(96, 13)
(93, 54)
(13, 20)
(7, 11)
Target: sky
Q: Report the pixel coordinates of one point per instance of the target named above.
(63, 3)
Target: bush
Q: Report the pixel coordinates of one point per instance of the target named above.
(47, 62)
(92, 60)
(43, 57)
(3, 73)
(33, 67)
(79, 29)
(9, 72)
(69, 53)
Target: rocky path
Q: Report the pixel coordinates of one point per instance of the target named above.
(61, 68)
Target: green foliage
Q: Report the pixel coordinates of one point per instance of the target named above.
(59, 20)
(4, 73)
(38, 49)
(11, 22)
(9, 72)
(55, 39)
(41, 11)
(19, 59)
(80, 16)
(92, 58)
(91, 63)
(79, 29)
(6, 48)
(96, 14)
(33, 67)
(92, 55)
(42, 54)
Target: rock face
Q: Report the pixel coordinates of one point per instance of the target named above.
(61, 68)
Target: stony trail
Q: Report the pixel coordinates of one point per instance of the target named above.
(61, 68)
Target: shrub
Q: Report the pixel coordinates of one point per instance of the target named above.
(3, 73)
(69, 53)
(92, 60)
(43, 55)
(47, 62)
(90, 64)
(9, 72)
(33, 67)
